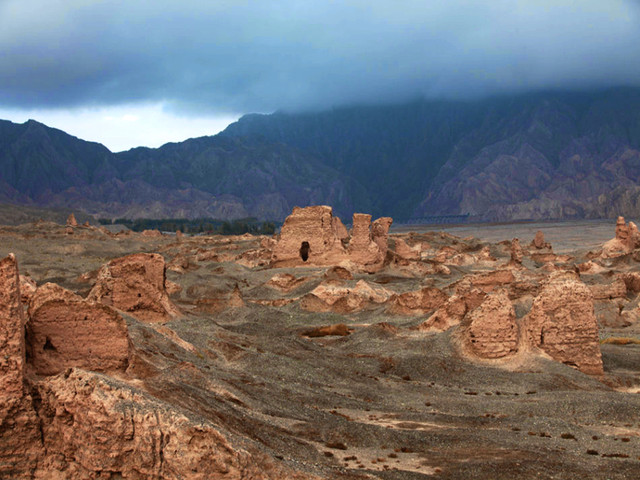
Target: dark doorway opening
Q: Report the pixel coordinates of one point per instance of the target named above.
(304, 251)
(48, 345)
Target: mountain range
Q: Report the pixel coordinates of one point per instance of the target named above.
(548, 155)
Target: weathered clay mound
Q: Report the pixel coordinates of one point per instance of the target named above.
(151, 233)
(539, 242)
(490, 330)
(406, 253)
(216, 302)
(182, 263)
(338, 273)
(135, 284)
(487, 282)
(418, 302)
(615, 289)
(66, 331)
(631, 281)
(363, 250)
(453, 311)
(285, 282)
(516, 253)
(626, 240)
(562, 323)
(27, 288)
(339, 297)
(339, 329)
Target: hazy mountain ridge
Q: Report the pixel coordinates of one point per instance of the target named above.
(204, 177)
(535, 156)
(545, 155)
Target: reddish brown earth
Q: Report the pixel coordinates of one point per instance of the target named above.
(444, 357)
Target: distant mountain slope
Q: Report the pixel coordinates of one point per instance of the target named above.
(536, 156)
(545, 155)
(209, 176)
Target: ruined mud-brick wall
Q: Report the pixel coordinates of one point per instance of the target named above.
(310, 235)
(562, 323)
(313, 236)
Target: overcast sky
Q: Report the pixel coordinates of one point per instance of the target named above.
(144, 72)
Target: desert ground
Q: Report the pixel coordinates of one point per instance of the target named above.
(232, 347)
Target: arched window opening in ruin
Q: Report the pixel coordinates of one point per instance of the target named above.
(304, 251)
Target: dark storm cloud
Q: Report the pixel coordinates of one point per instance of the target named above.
(245, 56)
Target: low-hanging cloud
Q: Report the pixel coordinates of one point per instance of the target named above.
(257, 55)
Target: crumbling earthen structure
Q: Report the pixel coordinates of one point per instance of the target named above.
(562, 323)
(71, 220)
(626, 240)
(20, 446)
(491, 331)
(313, 236)
(64, 330)
(539, 243)
(135, 284)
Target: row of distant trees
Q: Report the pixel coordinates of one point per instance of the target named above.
(198, 225)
